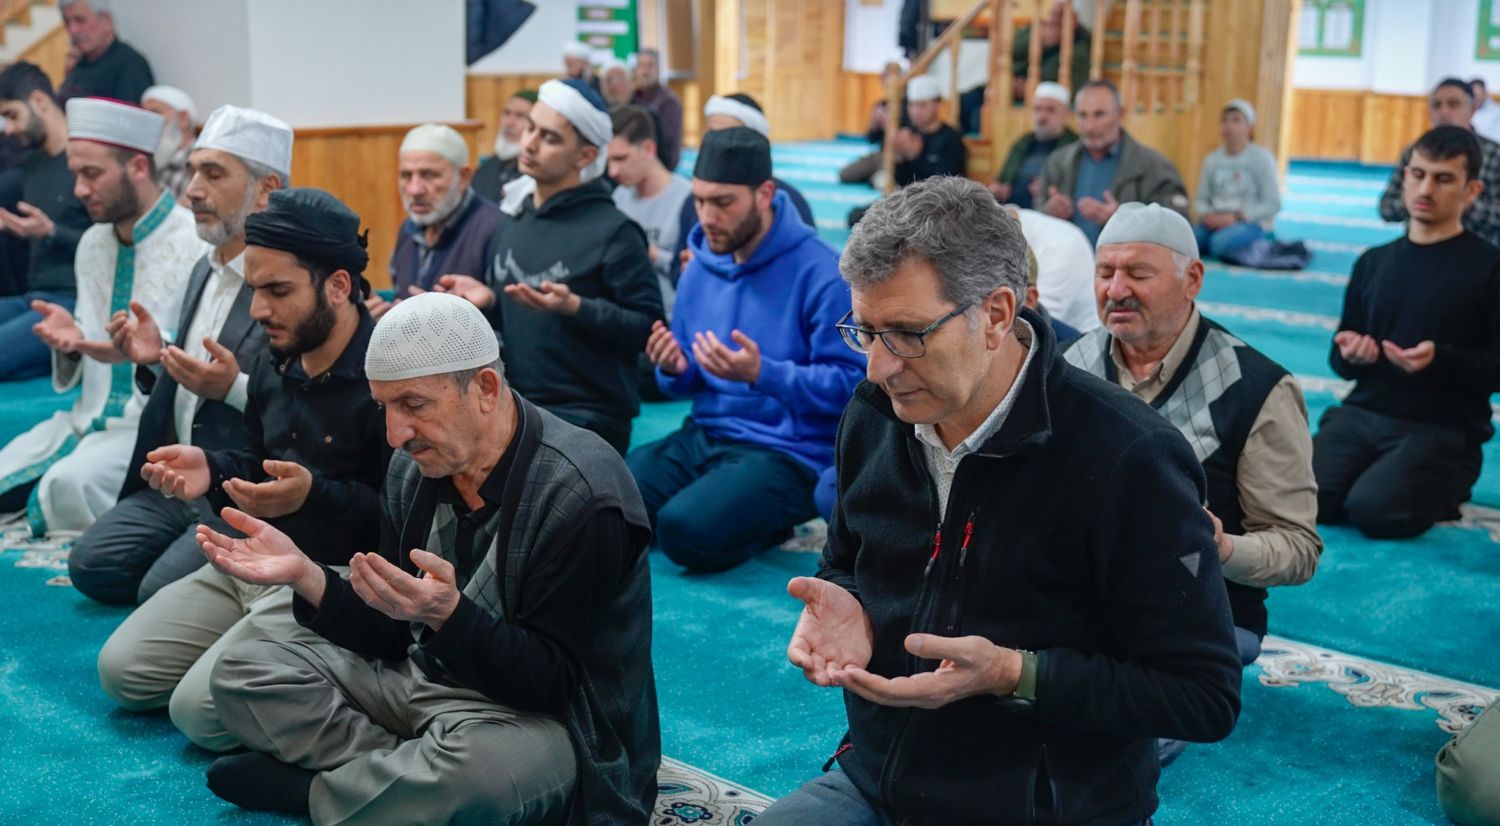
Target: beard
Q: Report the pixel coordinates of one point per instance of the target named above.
(34, 134)
(228, 226)
(311, 331)
(739, 235)
(441, 211)
(505, 149)
(171, 141)
(122, 204)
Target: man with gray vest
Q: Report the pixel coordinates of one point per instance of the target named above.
(501, 671)
(1242, 413)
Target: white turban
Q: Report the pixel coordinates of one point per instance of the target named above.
(576, 48)
(924, 87)
(173, 97)
(439, 139)
(429, 335)
(251, 135)
(1138, 223)
(1048, 90)
(114, 123)
(593, 125)
(742, 112)
(612, 64)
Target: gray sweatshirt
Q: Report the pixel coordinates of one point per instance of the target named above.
(1244, 183)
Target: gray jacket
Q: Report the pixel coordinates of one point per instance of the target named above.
(1143, 175)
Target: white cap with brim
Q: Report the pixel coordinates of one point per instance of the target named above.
(1047, 90)
(924, 87)
(430, 334)
(1138, 223)
(114, 123)
(251, 135)
(173, 97)
(1243, 107)
(439, 139)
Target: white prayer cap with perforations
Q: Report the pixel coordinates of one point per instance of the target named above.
(429, 335)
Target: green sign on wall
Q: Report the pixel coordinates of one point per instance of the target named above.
(1332, 28)
(609, 25)
(1487, 46)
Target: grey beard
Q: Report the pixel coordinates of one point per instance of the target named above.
(166, 148)
(445, 208)
(506, 150)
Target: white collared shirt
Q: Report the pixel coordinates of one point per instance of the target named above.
(219, 292)
(942, 462)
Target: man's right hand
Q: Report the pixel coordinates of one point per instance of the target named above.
(1000, 190)
(1356, 348)
(664, 351)
(177, 471)
(378, 306)
(138, 338)
(468, 288)
(265, 556)
(57, 329)
(1058, 205)
(833, 634)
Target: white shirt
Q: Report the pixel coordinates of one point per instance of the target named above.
(1064, 269)
(942, 462)
(1486, 120)
(223, 286)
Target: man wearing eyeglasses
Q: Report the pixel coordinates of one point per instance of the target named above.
(1017, 662)
(752, 343)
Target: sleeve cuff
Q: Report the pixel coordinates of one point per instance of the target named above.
(335, 591)
(679, 386)
(775, 377)
(453, 639)
(239, 392)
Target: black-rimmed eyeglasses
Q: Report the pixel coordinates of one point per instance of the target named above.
(907, 344)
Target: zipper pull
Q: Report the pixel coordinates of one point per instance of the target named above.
(937, 547)
(963, 550)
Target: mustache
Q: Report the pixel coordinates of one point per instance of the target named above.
(414, 445)
(1123, 304)
(204, 208)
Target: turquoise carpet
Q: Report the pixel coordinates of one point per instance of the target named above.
(1303, 752)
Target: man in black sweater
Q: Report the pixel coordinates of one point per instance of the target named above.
(928, 146)
(570, 288)
(501, 673)
(1044, 640)
(1420, 337)
(49, 218)
(105, 67)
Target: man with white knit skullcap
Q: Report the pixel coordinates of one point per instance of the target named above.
(499, 672)
(570, 286)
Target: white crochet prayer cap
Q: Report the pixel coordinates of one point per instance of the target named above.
(438, 139)
(1047, 90)
(430, 334)
(1243, 107)
(576, 48)
(114, 123)
(923, 87)
(249, 134)
(173, 97)
(1136, 223)
(742, 112)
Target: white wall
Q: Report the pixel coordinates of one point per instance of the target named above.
(1408, 46)
(536, 47)
(198, 46)
(357, 62)
(870, 35)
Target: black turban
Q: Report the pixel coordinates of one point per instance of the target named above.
(734, 156)
(314, 226)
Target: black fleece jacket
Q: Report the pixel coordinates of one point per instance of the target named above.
(1090, 547)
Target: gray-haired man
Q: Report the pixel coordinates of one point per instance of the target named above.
(502, 673)
(1069, 526)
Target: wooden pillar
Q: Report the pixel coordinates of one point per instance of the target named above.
(726, 18)
(1273, 104)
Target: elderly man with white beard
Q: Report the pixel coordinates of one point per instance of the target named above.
(449, 228)
(499, 169)
(176, 142)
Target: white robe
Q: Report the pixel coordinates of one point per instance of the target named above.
(81, 453)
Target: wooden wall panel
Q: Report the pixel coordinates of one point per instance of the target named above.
(485, 97)
(1353, 125)
(358, 165)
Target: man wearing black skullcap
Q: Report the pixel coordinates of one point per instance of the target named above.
(570, 289)
(754, 344)
(316, 457)
(1452, 104)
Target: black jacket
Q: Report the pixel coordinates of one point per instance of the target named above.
(584, 365)
(1089, 547)
(216, 425)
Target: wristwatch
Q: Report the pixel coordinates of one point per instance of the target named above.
(1023, 699)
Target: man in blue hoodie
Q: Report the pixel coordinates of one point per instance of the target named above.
(753, 343)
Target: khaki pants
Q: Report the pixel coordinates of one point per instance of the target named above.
(393, 746)
(1468, 772)
(164, 652)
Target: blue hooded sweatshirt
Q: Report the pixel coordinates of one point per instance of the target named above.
(787, 298)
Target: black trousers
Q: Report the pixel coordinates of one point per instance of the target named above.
(1388, 477)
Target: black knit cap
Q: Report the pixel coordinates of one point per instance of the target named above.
(734, 156)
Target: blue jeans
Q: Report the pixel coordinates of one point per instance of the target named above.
(22, 354)
(714, 504)
(1237, 236)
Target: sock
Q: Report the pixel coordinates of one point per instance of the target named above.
(259, 781)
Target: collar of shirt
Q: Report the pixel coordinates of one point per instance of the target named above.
(451, 225)
(928, 434)
(1161, 376)
(1113, 153)
(235, 267)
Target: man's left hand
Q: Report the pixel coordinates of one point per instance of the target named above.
(970, 666)
(1412, 359)
(1222, 541)
(1099, 210)
(430, 600)
(715, 356)
(550, 297)
(285, 493)
(27, 221)
(206, 379)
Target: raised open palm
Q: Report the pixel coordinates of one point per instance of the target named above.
(265, 556)
(833, 633)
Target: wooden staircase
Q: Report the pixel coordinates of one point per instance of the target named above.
(32, 30)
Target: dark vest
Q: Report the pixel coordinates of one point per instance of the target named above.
(1213, 401)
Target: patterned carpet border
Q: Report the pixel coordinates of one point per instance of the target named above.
(1370, 684)
(687, 795)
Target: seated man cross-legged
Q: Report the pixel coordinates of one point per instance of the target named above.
(498, 673)
(753, 344)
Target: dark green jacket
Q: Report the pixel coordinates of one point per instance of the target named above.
(1018, 152)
